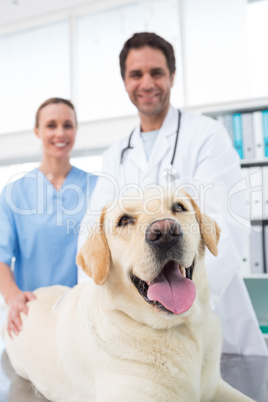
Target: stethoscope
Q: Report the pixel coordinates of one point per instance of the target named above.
(170, 172)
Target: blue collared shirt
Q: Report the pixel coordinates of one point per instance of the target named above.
(39, 226)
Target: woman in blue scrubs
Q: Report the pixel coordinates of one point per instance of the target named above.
(40, 214)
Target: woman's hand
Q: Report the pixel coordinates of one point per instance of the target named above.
(18, 304)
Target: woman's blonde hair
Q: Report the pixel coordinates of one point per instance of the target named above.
(52, 101)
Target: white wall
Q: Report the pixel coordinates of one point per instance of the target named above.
(16, 12)
(95, 134)
(215, 57)
(92, 137)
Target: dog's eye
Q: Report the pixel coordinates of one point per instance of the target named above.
(177, 207)
(125, 220)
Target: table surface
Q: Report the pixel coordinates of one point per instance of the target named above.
(249, 374)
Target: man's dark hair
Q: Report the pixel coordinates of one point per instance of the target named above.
(150, 39)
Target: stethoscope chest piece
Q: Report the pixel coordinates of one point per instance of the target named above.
(170, 173)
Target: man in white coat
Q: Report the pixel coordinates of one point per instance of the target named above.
(204, 162)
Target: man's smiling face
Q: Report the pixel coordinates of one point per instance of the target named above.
(148, 81)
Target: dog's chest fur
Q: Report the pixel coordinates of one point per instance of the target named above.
(157, 359)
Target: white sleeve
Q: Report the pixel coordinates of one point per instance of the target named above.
(218, 169)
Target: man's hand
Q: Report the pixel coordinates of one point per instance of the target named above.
(18, 304)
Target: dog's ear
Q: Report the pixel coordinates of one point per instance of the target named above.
(94, 256)
(210, 232)
(209, 229)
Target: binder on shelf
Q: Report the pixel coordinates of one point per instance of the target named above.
(220, 118)
(265, 194)
(256, 250)
(245, 267)
(227, 121)
(258, 134)
(256, 193)
(246, 193)
(266, 247)
(238, 134)
(247, 130)
(265, 131)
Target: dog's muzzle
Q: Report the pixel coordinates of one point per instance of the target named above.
(172, 290)
(163, 233)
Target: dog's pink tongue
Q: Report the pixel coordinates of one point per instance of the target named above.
(173, 290)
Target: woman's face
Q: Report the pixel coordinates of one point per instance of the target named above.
(57, 130)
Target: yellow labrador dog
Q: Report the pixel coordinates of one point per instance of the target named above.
(142, 330)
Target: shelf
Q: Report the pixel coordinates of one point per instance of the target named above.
(253, 162)
(264, 329)
(260, 221)
(240, 105)
(231, 108)
(257, 287)
(255, 276)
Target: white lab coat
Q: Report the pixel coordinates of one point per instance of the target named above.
(208, 167)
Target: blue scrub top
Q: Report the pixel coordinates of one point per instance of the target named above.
(39, 226)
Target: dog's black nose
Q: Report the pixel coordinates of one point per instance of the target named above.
(163, 232)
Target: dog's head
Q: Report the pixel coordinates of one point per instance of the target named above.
(149, 251)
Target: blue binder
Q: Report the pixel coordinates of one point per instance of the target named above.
(238, 134)
(265, 131)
